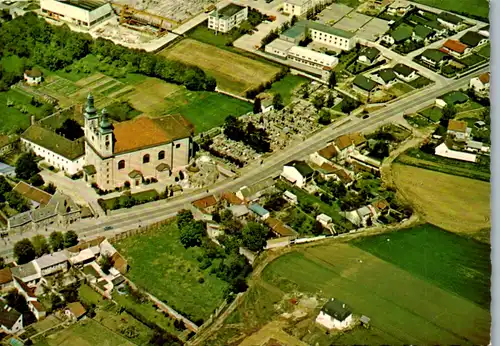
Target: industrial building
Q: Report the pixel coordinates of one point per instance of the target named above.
(86, 13)
(228, 17)
(311, 58)
(297, 7)
(321, 34)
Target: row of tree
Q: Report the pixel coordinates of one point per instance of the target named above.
(27, 250)
(255, 137)
(56, 47)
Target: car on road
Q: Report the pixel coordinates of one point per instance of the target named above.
(107, 228)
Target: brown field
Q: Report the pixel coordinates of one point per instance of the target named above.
(457, 204)
(233, 72)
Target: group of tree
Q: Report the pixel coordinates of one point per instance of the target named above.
(379, 150)
(70, 129)
(255, 137)
(26, 166)
(15, 200)
(56, 47)
(27, 250)
(252, 93)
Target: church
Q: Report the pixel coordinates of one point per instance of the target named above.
(133, 150)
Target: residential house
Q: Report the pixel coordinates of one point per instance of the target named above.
(52, 263)
(346, 144)
(399, 35)
(279, 228)
(385, 76)
(75, 311)
(33, 76)
(259, 211)
(421, 33)
(36, 196)
(207, 204)
(361, 217)
(253, 192)
(298, 173)
(438, 29)
(230, 198)
(477, 147)
(226, 18)
(405, 72)
(399, 8)
(434, 57)
(326, 222)
(6, 281)
(481, 84)
(290, 197)
(324, 155)
(444, 151)
(239, 211)
(29, 295)
(28, 273)
(458, 130)
(11, 321)
(363, 85)
(455, 48)
(473, 39)
(450, 21)
(335, 315)
(485, 31)
(329, 171)
(381, 207)
(368, 55)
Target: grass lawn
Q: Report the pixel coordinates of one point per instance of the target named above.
(159, 263)
(140, 197)
(399, 89)
(88, 295)
(420, 82)
(85, 333)
(234, 73)
(454, 263)
(433, 113)
(285, 86)
(472, 59)
(203, 34)
(404, 307)
(478, 8)
(468, 106)
(485, 51)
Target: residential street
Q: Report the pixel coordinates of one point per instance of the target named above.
(142, 215)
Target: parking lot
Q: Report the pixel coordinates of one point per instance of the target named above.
(373, 29)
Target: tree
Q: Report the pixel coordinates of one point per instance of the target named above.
(257, 106)
(380, 150)
(192, 234)
(184, 217)
(254, 236)
(332, 80)
(278, 102)
(70, 239)
(4, 188)
(318, 102)
(449, 112)
(17, 201)
(2, 263)
(70, 129)
(51, 188)
(24, 251)
(330, 101)
(56, 240)
(233, 128)
(36, 180)
(348, 105)
(106, 263)
(293, 20)
(40, 244)
(325, 117)
(26, 166)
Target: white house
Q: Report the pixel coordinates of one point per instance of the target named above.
(228, 17)
(458, 130)
(11, 321)
(298, 173)
(450, 21)
(290, 197)
(33, 76)
(83, 13)
(306, 56)
(297, 7)
(362, 216)
(405, 73)
(279, 47)
(399, 8)
(481, 84)
(330, 36)
(324, 155)
(442, 150)
(335, 315)
(368, 55)
(324, 219)
(52, 263)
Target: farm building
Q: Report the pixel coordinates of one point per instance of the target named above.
(473, 39)
(335, 315)
(298, 173)
(80, 12)
(297, 7)
(449, 20)
(455, 48)
(311, 58)
(363, 85)
(404, 72)
(33, 76)
(114, 154)
(228, 17)
(442, 150)
(368, 55)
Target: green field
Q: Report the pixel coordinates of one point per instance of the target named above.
(403, 307)
(454, 263)
(160, 264)
(205, 110)
(286, 86)
(485, 51)
(433, 113)
(479, 8)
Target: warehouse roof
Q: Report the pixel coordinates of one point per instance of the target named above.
(329, 30)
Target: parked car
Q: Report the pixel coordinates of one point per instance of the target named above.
(107, 228)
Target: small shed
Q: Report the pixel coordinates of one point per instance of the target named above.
(33, 76)
(365, 321)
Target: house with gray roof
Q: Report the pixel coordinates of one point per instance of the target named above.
(450, 21)
(405, 72)
(368, 55)
(473, 39)
(335, 315)
(385, 76)
(28, 273)
(52, 263)
(250, 193)
(11, 321)
(363, 85)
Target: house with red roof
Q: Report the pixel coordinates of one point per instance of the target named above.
(455, 48)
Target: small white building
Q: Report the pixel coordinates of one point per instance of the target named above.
(481, 84)
(11, 321)
(228, 17)
(399, 8)
(362, 216)
(298, 173)
(290, 197)
(335, 315)
(405, 73)
(306, 56)
(458, 130)
(440, 103)
(52, 263)
(297, 7)
(33, 76)
(83, 13)
(442, 150)
(324, 219)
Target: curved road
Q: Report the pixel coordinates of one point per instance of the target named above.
(160, 210)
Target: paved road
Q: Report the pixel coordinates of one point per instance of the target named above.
(160, 210)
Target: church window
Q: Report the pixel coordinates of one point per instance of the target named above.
(178, 145)
(161, 155)
(121, 164)
(145, 158)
